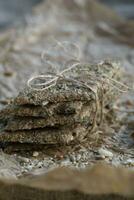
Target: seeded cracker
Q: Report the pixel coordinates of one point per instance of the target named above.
(50, 109)
(69, 90)
(62, 136)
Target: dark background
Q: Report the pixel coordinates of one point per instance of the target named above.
(123, 7)
(14, 11)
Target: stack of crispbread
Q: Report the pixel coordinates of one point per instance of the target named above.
(66, 112)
